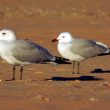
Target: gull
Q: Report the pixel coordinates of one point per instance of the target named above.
(79, 49)
(19, 52)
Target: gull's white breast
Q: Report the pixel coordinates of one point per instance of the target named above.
(65, 50)
(7, 54)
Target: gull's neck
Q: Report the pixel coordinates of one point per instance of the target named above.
(9, 40)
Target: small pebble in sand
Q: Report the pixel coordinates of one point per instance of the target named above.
(106, 83)
(77, 81)
(69, 93)
(1, 80)
(44, 98)
(92, 99)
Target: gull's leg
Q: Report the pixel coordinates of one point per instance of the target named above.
(21, 71)
(78, 65)
(14, 69)
(73, 67)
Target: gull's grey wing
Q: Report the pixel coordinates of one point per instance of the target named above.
(27, 51)
(87, 48)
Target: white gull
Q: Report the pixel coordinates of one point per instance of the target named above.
(24, 52)
(78, 49)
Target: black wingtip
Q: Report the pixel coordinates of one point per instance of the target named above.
(60, 60)
(104, 54)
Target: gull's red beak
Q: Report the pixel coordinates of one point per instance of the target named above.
(54, 40)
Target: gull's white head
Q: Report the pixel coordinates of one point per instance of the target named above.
(64, 37)
(7, 35)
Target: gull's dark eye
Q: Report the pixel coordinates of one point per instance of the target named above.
(63, 36)
(3, 33)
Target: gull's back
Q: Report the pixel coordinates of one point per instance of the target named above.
(87, 48)
(28, 51)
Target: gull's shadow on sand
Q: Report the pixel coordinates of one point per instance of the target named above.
(99, 70)
(81, 78)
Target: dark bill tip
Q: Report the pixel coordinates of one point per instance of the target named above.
(54, 40)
